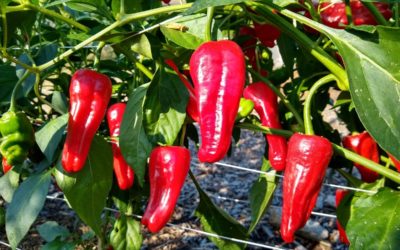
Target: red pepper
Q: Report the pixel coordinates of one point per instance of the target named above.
(395, 162)
(168, 168)
(218, 72)
(249, 47)
(267, 33)
(340, 194)
(166, 1)
(334, 14)
(6, 167)
(122, 170)
(89, 93)
(308, 157)
(191, 108)
(266, 105)
(364, 145)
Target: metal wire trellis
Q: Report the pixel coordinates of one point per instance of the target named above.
(249, 243)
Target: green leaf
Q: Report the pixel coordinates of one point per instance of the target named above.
(261, 194)
(50, 230)
(59, 100)
(58, 245)
(49, 136)
(7, 81)
(85, 5)
(374, 80)
(366, 228)
(87, 190)
(129, 7)
(181, 38)
(126, 234)
(135, 146)
(203, 4)
(141, 45)
(165, 107)
(216, 221)
(8, 184)
(25, 206)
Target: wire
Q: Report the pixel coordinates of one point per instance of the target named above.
(281, 176)
(194, 230)
(8, 245)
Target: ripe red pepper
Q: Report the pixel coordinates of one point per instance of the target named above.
(89, 93)
(166, 1)
(168, 168)
(340, 194)
(267, 33)
(364, 145)
(122, 170)
(266, 105)
(395, 162)
(307, 158)
(191, 108)
(249, 47)
(334, 14)
(218, 73)
(6, 167)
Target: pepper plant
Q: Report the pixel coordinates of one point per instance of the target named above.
(169, 66)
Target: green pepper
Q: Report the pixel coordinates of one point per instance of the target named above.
(17, 137)
(246, 106)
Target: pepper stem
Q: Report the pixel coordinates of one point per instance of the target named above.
(380, 19)
(210, 14)
(13, 101)
(349, 155)
(284, 100)
(308, 128)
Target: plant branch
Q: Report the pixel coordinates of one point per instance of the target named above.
(376, 13)
(208, 28)
(57, 16)
(349, 155)
(307, 104)
(36, 89)
(124, 20)
(5, 29)
(13, 101)
(303, 39)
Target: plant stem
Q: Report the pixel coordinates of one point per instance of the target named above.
(23, 65)
(5, 30)
(144, 70)
(208, 28)
(349, 14)
(376, 13)
(13, 101)
(124, 20)
(41, 99)
(396, 14)
(281, 96)
(349, 155)
(302, 39)
(57, 16)
(388, 173)
(265, 130)
(97, 58)
(307, 104)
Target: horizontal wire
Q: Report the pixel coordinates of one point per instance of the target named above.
(194, 230)
(281, 176)
(8, 245)
(247, 202)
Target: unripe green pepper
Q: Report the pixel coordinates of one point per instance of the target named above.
(17, 137)
(245, 108)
